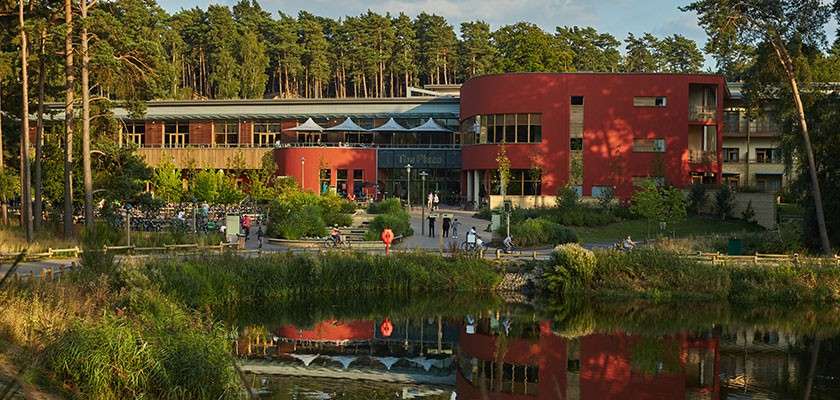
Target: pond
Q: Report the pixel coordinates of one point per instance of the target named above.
(446, 347)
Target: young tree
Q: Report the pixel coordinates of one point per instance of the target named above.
(167, 182)
(779, 23)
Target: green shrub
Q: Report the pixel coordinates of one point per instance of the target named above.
(399, 222)
(303, 222)
(572, 269)
(539, 231)
(786, 283)
(581, 215)
(724, 202)
(567, 198)
(391, 205)
(697, 198)
(295, 214)
(749, 213)
(484, 213)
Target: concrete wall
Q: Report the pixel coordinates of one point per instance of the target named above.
(764, 205)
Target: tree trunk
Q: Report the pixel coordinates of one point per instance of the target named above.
(86, 169)
(38, 206)
(68, 119)
(26, 181)
(784, 59)
(4, 208)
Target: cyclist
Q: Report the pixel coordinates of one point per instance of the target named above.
(335, 235)
(508, 242)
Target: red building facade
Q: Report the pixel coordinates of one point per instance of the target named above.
(590, 131)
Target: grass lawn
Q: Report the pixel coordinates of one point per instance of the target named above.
(642, 229)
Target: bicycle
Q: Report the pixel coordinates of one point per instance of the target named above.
(331, 243)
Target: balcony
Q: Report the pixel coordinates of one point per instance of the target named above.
(702, 113)
(205, 156)
(701, 157)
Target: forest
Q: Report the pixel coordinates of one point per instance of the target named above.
(139, 51)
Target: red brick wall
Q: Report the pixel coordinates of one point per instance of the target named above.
(154, 133)
(201, 132)
(334, 158)
(289, 136)
(245, 136)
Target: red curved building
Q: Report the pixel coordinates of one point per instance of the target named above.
(590, 130)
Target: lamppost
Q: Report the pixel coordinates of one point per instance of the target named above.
(302, 162)
(408, 184)
(423, 175)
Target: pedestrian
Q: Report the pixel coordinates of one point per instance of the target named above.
(430, 202)
(447, 222)
(436, 201)
(431, 225)
(455, 226)
(246, 226)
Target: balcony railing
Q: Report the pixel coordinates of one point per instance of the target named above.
(702, 157)
(702, 113)
(297, 145)
(767, 161)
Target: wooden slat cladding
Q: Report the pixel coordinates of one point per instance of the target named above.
(646, 101)
(576, 121)
(214, 158)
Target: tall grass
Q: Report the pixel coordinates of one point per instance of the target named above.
(662, 275)
(230, 281)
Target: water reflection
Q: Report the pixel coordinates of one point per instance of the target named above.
(514, 353)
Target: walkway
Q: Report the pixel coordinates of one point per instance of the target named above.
(420, 241)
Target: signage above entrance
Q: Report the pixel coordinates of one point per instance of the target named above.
(420, 158)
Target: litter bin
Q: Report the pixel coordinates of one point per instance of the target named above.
(735, 247)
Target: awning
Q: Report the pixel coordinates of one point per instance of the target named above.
(430, 126)
(390, 126)
(347, 126)
(308, 126)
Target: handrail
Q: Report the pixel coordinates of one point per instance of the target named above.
(454, 146)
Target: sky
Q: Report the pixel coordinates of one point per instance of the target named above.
(618, 17)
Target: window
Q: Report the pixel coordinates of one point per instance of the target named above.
(324, 180)
(577, 100)
(535, 122)
(266, 133)
(521, 128)
(768, 155)
(226, 133)
(341, 182)
(176, 135)
(576, 144)
(768, 183)
(506, 128)
(136, 134)
(358, 182)
(731, 154)
(602, 191)
(650, 101)
(649, 145)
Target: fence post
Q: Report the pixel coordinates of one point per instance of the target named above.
(498, 254)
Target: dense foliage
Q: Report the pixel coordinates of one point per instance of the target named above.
(539, 231)
(296, 214)
(389, 214)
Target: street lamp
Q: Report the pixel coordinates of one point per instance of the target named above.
(408, 184)
(302, 161)
(423, 175)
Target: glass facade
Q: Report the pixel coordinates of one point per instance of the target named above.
(266, 133)
(135, 134)
(502, 128)
(226, 133)
(176, 134)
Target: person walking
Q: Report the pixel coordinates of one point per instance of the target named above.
(430, 201)
(436, 200)
(246, 226)
(431, 225)
(455, 226)
(447, 222)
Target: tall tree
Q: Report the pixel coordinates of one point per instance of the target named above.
(778, 23)
(314, 58)
(253, 64)
(405, 50)
(437, 47)
(478, 56)
(524, 47)
(86, 171)
(5, 73)
(593, 51)
(225, 75)
(26, 181)
(69, 120)
(679, 54)
(640, 53)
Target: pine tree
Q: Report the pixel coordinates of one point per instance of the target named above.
(314, 58)
(225, 76)
(404, 54)
(640, 55)
(679, 54)
(592, 51)
(478, 56)
(253, 62)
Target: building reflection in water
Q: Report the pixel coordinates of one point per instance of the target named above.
(493, 358)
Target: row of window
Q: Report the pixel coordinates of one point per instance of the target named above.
(342, 182)
(762, 155)
(502, 128)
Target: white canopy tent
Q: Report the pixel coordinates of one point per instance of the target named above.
(308, 126)
(390, 126)
(430, 126)
(347, 126)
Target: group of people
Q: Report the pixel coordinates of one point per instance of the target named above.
(432, 201)
(448, 226)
